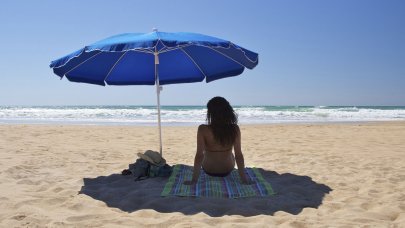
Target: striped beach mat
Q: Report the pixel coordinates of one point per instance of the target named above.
(220, 187)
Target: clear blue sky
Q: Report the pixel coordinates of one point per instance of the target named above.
(340, 52)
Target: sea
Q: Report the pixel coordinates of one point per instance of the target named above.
(194, 115)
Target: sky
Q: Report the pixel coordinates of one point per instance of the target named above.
(313, 52)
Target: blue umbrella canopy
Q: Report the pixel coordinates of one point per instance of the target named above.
(129, 59)
(156, 58)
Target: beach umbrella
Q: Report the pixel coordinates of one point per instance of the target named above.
(156, 58)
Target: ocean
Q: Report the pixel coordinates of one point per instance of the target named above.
(194, 115)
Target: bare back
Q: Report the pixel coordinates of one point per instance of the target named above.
(217, 158)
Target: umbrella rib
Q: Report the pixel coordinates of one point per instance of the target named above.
(82, 63)
(174, 48)
(240, 49)
(226, 56)
(69, 60)
(193, 62)
(181, 48)
(109, 72)
(157, 43)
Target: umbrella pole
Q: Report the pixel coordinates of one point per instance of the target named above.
(158, 101)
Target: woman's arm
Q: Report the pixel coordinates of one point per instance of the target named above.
(240, 161)
(199, 156)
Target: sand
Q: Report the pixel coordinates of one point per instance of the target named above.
(325, 175)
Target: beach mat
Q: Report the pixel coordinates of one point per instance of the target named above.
(219, 187)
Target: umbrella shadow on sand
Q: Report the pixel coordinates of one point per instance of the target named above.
(294, 193)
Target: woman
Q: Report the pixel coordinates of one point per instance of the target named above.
(215, 142)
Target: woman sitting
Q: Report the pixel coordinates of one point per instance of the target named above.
(215, 142)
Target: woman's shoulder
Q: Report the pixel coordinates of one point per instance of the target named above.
(203, 127)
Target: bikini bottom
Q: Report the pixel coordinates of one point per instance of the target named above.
(217, 174)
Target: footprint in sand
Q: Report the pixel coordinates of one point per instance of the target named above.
(19, 217)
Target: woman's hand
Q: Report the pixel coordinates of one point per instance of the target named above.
(190, 182)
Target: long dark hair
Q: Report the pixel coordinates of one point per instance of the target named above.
(222, 120)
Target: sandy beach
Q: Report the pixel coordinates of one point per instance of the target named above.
(325, 175)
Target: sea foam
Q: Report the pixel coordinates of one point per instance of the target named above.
(192, 115)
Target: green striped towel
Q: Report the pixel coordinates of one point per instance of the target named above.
(220, 187)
